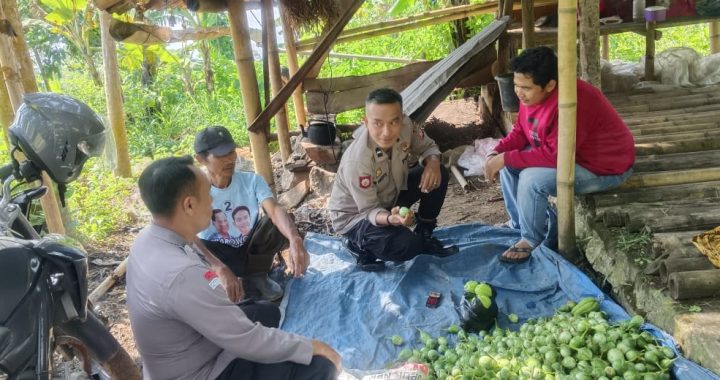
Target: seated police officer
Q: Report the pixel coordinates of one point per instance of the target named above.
(377, 178)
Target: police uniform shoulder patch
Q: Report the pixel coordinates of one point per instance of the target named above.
(364, 181)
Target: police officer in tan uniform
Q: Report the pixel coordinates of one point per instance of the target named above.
(378, 175)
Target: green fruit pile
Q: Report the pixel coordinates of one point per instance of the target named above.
(577, 342)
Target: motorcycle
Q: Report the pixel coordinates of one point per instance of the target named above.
(43, 279)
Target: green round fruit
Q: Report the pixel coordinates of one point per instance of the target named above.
(404, 211)
(397, 340)
(513, 318)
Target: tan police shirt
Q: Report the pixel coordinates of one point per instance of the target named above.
(369, 180)
(183, 323)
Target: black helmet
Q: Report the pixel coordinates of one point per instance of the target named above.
(57, 133)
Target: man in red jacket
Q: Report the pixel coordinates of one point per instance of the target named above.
(526, 159)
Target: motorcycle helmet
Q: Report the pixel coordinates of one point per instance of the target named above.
(57, 133)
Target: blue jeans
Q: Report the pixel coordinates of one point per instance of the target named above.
(526, 194)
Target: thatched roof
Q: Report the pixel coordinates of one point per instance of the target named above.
(300, 13)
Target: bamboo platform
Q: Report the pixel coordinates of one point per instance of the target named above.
(674, 191)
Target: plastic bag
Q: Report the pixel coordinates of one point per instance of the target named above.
(706, 70)
(473, 159)
(618, 76)
(409, 371)
(672, 66)
(475, 316)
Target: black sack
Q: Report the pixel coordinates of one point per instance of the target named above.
(474, 316)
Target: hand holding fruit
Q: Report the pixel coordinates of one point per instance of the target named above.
(401, 216)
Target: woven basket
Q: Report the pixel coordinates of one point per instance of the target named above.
(708, 243)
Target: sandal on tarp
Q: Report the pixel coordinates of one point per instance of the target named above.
(515, 249)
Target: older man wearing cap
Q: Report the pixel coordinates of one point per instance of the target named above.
(243, 197)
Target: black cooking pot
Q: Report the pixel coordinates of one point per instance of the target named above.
(321, 132)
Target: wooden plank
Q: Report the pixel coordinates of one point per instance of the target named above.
(426, 92)
(353, 82)
(677, 161)
(348, 93)
(671, 178)
(284, 94)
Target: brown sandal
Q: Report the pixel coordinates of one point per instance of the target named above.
(515, 249)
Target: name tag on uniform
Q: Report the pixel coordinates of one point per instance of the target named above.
(213, 279)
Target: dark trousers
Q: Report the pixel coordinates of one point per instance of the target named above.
(398, 243)
(268, 314)
(256, 255)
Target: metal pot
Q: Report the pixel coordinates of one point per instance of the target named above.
(321, 132)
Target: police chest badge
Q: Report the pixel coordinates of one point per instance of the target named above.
(404, 146)
(364, 181)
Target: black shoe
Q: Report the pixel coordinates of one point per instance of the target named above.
(366, 262)
(433, 246)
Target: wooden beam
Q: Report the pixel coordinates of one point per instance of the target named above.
(363, 57)
(567, 107)
(249, 87)
(114, 98)
(346, 93)
(485, 8)
(528, 22)
(284, 94)
(714, 36)
(281, 119)
(606, 47)
(292, 60)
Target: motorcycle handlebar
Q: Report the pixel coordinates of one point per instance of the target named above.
(6, 171)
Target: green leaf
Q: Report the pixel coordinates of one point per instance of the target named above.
(401, 6)
(694, 309)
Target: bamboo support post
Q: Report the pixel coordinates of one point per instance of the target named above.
(606, 47)
(249, 88)
(292, 60)
(589, 41)
(643, 180)
(110, 280)
(695, 284)
(714, 37)
(528, 23)
(15, 90)
(683, 264)
(114, 98)
(264, 117)
(459, 177)
(650, 50)
(567, 105)
(281, 119)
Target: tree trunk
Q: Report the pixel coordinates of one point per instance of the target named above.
(27, 75)
(113, 98)
(567, 100)
(590, 41)
(6, 111)
(207, 67)
(249, 87)
(15, 91)
(149, 67)
(90, 63)
(281, 119)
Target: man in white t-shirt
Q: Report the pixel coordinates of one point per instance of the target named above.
(258, 227)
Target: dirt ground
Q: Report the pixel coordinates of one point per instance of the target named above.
(481, 202)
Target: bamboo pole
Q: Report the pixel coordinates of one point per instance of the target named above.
(113, 98)
(249, 87)
(15, 91)
(642, 180)
(668, 193)
(657, 138)
(292, 59)
(528, 23)
(714, 37)
(589, 41)
(281, 119)
(650, 50)
(264, 117)
(683, 264)
(674, 244)
(567, 105)
(682, 146)
(695, 284)
(362, 57)
(110, 280)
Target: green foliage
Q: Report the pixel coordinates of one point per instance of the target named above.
(97, 202)
(631, 46)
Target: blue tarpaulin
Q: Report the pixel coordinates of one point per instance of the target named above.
(356, 312)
